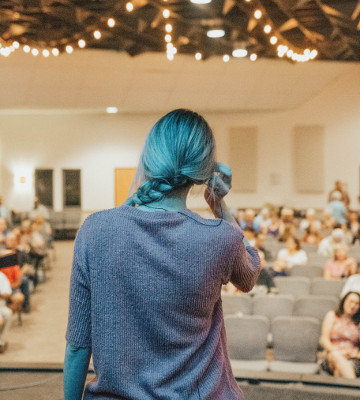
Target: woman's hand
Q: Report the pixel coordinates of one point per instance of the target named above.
(218, 187)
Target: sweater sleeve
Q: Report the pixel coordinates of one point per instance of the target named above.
(245, 267)
(78, 331)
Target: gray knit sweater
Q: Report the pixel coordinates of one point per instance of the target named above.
(145, 296)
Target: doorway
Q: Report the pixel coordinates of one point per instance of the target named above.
(123, 179)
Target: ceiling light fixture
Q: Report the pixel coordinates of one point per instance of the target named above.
(257, 14)
(273, 40)
(215, 33)
(200, 1)
(166, 13)
(198, 56)
(35, 52)
(112, 110)
(97, 35)
(226, 58)
(69, 49)
(267, 28)
(55, 52)
(129, 6)
(46, 53)
(111, 22)
(253, 57)
(26, 49)
(239, 53)
(81, 43)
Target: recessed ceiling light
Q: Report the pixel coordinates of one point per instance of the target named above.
(200, 1)
(112, 110)
(239, 53)
(215, 33)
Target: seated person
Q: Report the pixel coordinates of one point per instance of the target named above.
(249, 234)
(293, 253)
(3, 232)
(340, 266)
(5, 312)
(259, 245)
(340, 338)
(328, 244)
(338, 208)
(248, 220)
(328, 222)
(43, 227)
(310, 217)
(265, 283)
(14, 275)
(313, 233)
(263, 219)
(274, 226)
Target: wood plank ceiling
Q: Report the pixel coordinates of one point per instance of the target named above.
(332, 28)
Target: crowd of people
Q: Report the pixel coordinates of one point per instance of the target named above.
(23, 249)
(330, 234)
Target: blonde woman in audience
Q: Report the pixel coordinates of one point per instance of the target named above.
(328, 221)
(340, 338)
(340, 266)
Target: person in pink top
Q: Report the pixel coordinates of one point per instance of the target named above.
(340, 266)
(340, 338)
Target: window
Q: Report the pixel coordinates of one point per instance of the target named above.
(44, 186)
(71, 188)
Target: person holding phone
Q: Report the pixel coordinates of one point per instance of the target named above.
(145, 294)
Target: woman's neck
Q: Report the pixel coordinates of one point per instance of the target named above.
(174, 201)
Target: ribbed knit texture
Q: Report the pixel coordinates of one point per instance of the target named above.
(145, 295)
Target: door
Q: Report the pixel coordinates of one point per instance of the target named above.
(123, 179)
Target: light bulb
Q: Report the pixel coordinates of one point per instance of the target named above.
(170, 56)
(267, 28)
(35, 52)
(273, 40)
(168, 28)
(26, 49)
(55, 52)
(253, 57)
(257, 14)
(111, 22)
(226, 58)
(97, 35)
(81, 43)
(129, 6)
(16, 45)
(166, 13)
(198, 56)
(46, 53)
(69, 49)
(167, 38)
(215, 33)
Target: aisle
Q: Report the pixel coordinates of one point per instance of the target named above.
(41, 338)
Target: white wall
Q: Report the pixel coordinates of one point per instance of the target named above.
(97, 144)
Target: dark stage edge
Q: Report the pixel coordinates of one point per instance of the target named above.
(45, 382)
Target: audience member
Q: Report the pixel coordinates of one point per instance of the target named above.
(265, 283)
(39, 209)
(249, 234)
(259, 244)
(14, 275)
(4, 231)
(344, 196)
(341, 266)
(263, 219)
(338, 208)
(293, 253)
(328, 221)
(274, 226)
(287, 224)
(308, 220)
(4, 213)
(353, 224)
(327, 245)
(313, 233)
(352, 285)
(5, 312)
(340, 338)
(248, 220)
(43, 227)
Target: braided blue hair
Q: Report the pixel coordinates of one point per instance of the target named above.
(179, 151)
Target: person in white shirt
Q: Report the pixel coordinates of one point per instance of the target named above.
(5, 312)
(328, 244)
(352, 285)
(293, 254)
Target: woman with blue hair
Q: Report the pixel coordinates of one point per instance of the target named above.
(146, 279)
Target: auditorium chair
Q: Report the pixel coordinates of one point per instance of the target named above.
(234, 304)
(315, 306)
(294, 285)
(273, 306)
(326, 287)
(309, 271)
(295, 343)
(247, 342)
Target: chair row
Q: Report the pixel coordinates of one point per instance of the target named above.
(315, 306)
(301, 286)
(295, 343)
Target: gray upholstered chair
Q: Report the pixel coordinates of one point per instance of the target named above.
(273, 306)
(327, 287)
(295, 342)
(294, 285)
(234, 304)
(315, 306)
(247, 342)
(309, 271)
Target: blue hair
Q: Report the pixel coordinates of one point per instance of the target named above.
(179, 151)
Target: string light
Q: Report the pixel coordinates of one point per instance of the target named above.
(97, 35)
(257, 14)
(111, 22)
(129, 6)
(81, 43)
(35, 52)
(267, 29)
(168, 28)
(198, 56)
(273, 40)
(55, 52)
(166, 13)
(167, 38)
(226, 58)
(46, 53)
(16, 45)
(253, 57)
(69, 49)
(26, 49)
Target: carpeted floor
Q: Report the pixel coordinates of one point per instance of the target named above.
(41, 338)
